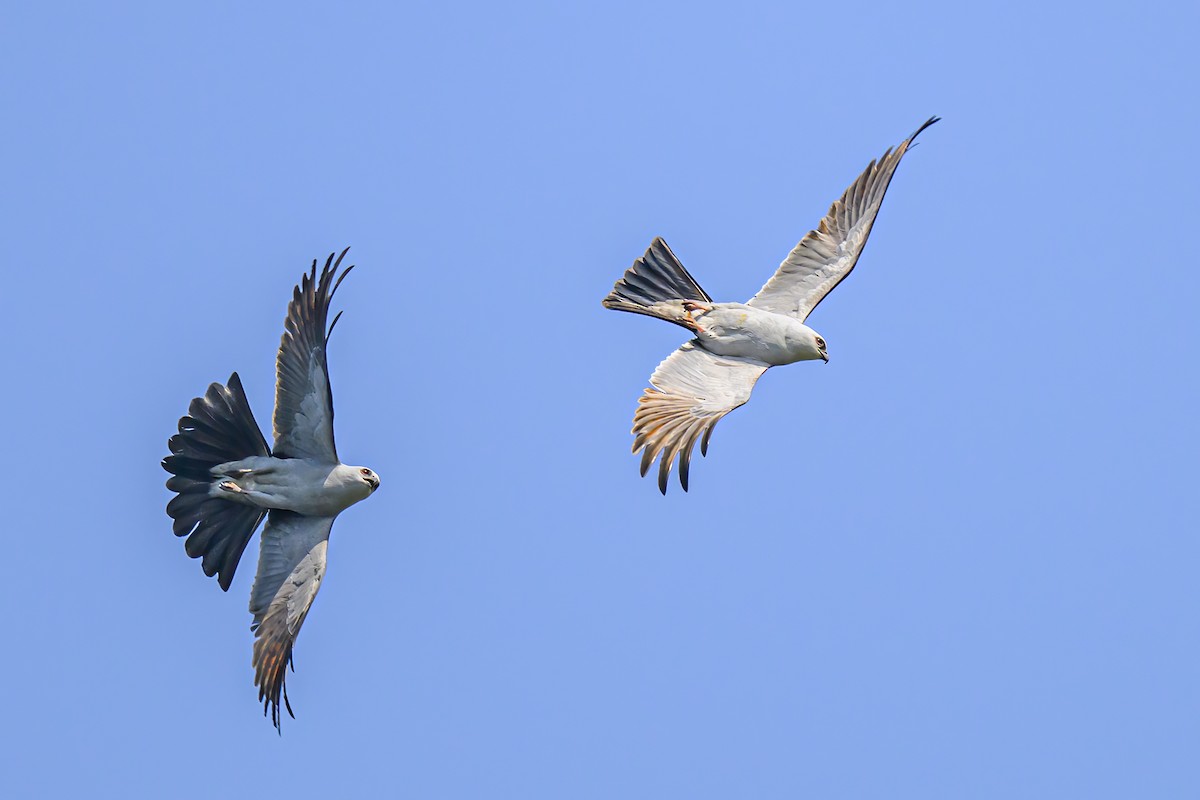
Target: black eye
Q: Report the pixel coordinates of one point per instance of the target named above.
(820, 343)
(365, 472)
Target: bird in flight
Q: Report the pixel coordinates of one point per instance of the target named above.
(226, 480)
(735, 343)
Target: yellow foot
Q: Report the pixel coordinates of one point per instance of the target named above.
(690, 307)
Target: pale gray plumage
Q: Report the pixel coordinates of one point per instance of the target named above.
(825, 256)
(227, 480)
(693, 389)
(735, 343)
(291, 566)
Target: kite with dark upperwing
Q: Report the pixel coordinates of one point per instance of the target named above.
(226, 480)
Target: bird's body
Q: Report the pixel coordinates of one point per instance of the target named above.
(227, 479)
(742, 331)
(310, 488)
(735, 343)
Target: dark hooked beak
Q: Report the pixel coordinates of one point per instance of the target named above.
(374, 481)
(825, 358)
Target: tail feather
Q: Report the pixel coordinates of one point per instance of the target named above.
(213, 542)
(219, 427)
(656, 285)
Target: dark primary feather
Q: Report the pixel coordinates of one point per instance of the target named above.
(218, 427)
(302, 369)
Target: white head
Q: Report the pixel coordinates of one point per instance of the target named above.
(361, 481)
(368, 477)
(807, 344)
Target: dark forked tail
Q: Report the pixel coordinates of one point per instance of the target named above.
(219, 427)
(656, 285)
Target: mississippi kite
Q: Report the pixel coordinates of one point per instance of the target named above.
(735, 343)
(227, 480)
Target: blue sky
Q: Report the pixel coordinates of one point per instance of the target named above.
(958, 561)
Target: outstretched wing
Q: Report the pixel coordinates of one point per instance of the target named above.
(303, 398)
(692, 390)
(291, 565)
(826, 255)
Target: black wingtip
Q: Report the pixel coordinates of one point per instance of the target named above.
(331, 268)
(341, 277)
(924, 125)
(332, 325)
(339, 258)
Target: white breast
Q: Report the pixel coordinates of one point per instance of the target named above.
(735, 329)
